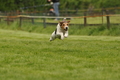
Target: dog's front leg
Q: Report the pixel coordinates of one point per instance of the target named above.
(66, 34)
(62, 37)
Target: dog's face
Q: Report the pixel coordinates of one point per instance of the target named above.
(64, 25)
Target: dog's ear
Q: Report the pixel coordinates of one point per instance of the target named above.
(68, 21)
(61, 23)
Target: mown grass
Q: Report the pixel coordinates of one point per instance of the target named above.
(30, 56)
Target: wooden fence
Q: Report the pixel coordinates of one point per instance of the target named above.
(20, 18)
(79, 14)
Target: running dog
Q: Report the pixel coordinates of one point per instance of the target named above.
(61, 30)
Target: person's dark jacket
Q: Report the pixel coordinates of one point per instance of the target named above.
(55, 0)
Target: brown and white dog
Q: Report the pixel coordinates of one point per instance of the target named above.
(61, 30)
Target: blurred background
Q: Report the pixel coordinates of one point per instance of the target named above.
(81, 13)
(67, 7)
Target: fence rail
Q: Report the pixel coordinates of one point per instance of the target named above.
(105, 15)
(9, 19)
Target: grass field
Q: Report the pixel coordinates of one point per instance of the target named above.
(30, 56)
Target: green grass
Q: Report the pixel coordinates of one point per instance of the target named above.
(30, 56)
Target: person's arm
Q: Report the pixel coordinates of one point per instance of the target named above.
(49, 0)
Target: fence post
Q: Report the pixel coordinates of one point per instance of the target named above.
(44, 22)
(102, 14)
(32, 19)
(8, 20)
(20, 24)
(85, 19)
(108, 19)
(0, 19)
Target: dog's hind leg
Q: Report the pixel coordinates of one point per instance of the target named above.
(52, 37)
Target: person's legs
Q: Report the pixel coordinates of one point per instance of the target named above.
(56, 8)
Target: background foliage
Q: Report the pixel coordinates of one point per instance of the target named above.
(10, 5)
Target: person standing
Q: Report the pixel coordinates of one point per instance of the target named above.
(56, 4)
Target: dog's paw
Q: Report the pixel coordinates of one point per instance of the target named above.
(51, 40)
(65, 36)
